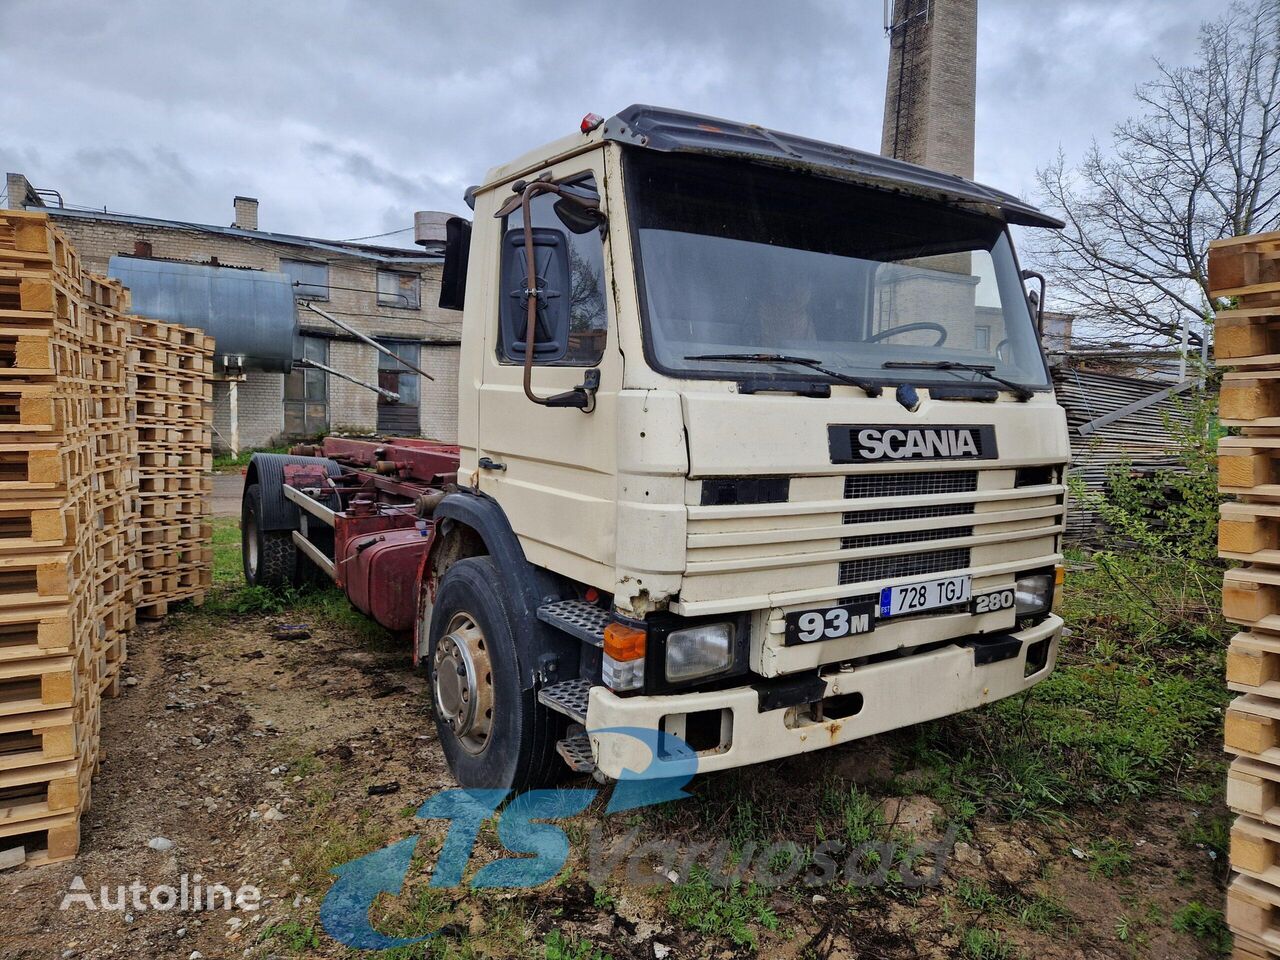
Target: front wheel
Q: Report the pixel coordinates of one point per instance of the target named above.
(270, 556)
(494, 734)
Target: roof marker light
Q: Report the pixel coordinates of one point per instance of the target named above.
(591, 121)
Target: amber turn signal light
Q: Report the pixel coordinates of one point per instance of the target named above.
(623, 642)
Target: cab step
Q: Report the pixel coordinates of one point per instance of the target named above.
(576, 752)
(578, 618)
(568, 697)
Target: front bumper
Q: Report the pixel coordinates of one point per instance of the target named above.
(895, 693)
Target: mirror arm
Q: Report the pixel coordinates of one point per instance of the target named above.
(1033, 275)
(581, 397)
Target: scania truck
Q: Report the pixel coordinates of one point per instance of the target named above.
(757, 448)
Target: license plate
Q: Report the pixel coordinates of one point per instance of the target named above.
(926, 595)
(810, 626)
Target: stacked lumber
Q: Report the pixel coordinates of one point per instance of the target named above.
(52, 658)
(1247, 343)
(171, 370)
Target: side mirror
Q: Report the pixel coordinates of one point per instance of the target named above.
(457, 249)
(1036, 301)
(580, 216)
(551, 329)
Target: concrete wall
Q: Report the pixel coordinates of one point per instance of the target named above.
(352, 297)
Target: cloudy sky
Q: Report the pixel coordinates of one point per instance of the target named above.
(344, 117)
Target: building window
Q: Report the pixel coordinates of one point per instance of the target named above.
(306, 393)
(396, 289)
(310, 278)
(398, 416)
(982, 338)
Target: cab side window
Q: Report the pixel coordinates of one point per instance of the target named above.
(584, 341)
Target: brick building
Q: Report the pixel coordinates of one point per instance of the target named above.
(387, 293)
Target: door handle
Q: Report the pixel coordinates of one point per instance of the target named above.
(484, 463)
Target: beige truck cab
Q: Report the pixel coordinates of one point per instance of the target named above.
(768, 438)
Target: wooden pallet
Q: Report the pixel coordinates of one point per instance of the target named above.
(37, 843)
(29, 686)
(31, 739)
(39, 792)
(40, 631)
(1251, 597)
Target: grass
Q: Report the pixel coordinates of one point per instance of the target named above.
(226, 463)
(231, 596)
(730, 910)
(1205, 924)
(292, 936)
(1114, 722)
(557, 946)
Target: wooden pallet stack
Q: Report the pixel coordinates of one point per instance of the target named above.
(171, 369)
(51, 660)
(1247, 343)
(114, 474)
(104, 437)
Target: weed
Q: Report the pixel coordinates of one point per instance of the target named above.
(977, 896)
(1210, 833)
(979, 943)
(559, 947)
(603, 899)
(721, 910)
(1109, 858)
(292, 936)
(1041, 913)
(1204, 923)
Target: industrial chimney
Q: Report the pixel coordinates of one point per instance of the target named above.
(931, 89)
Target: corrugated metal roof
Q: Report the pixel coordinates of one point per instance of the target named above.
(1141, 438)
(360, 251)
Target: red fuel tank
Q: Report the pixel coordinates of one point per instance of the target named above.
(380, 574)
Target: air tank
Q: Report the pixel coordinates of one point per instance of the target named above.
(249, 313)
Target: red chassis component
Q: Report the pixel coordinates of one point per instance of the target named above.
(381, 527)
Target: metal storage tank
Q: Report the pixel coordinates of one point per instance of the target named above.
(249, 313)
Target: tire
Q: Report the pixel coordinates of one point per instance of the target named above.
(270, 557)
(517, 749)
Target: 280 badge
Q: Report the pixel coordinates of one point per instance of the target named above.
(993, 602)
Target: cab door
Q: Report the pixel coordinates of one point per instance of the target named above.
(553, 469)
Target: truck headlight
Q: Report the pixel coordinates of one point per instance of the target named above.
(1033, 593)
(699, 651)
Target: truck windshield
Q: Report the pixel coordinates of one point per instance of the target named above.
(740, 259)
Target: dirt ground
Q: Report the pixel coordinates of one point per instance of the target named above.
(267, 761)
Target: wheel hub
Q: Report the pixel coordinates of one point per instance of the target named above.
(462, 682)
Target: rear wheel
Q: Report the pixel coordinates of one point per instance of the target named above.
(493, 733)
(270, 557)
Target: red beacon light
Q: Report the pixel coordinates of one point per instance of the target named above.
(591, 121)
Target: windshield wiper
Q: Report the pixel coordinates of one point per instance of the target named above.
(1020, 390)
(872, 390)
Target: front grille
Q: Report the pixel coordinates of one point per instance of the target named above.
(910, 565)
(906, 536)
(864, 485)
(907, 513)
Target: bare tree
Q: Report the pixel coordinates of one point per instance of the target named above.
(1201, 161)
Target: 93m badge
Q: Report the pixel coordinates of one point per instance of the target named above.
(810, 626)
